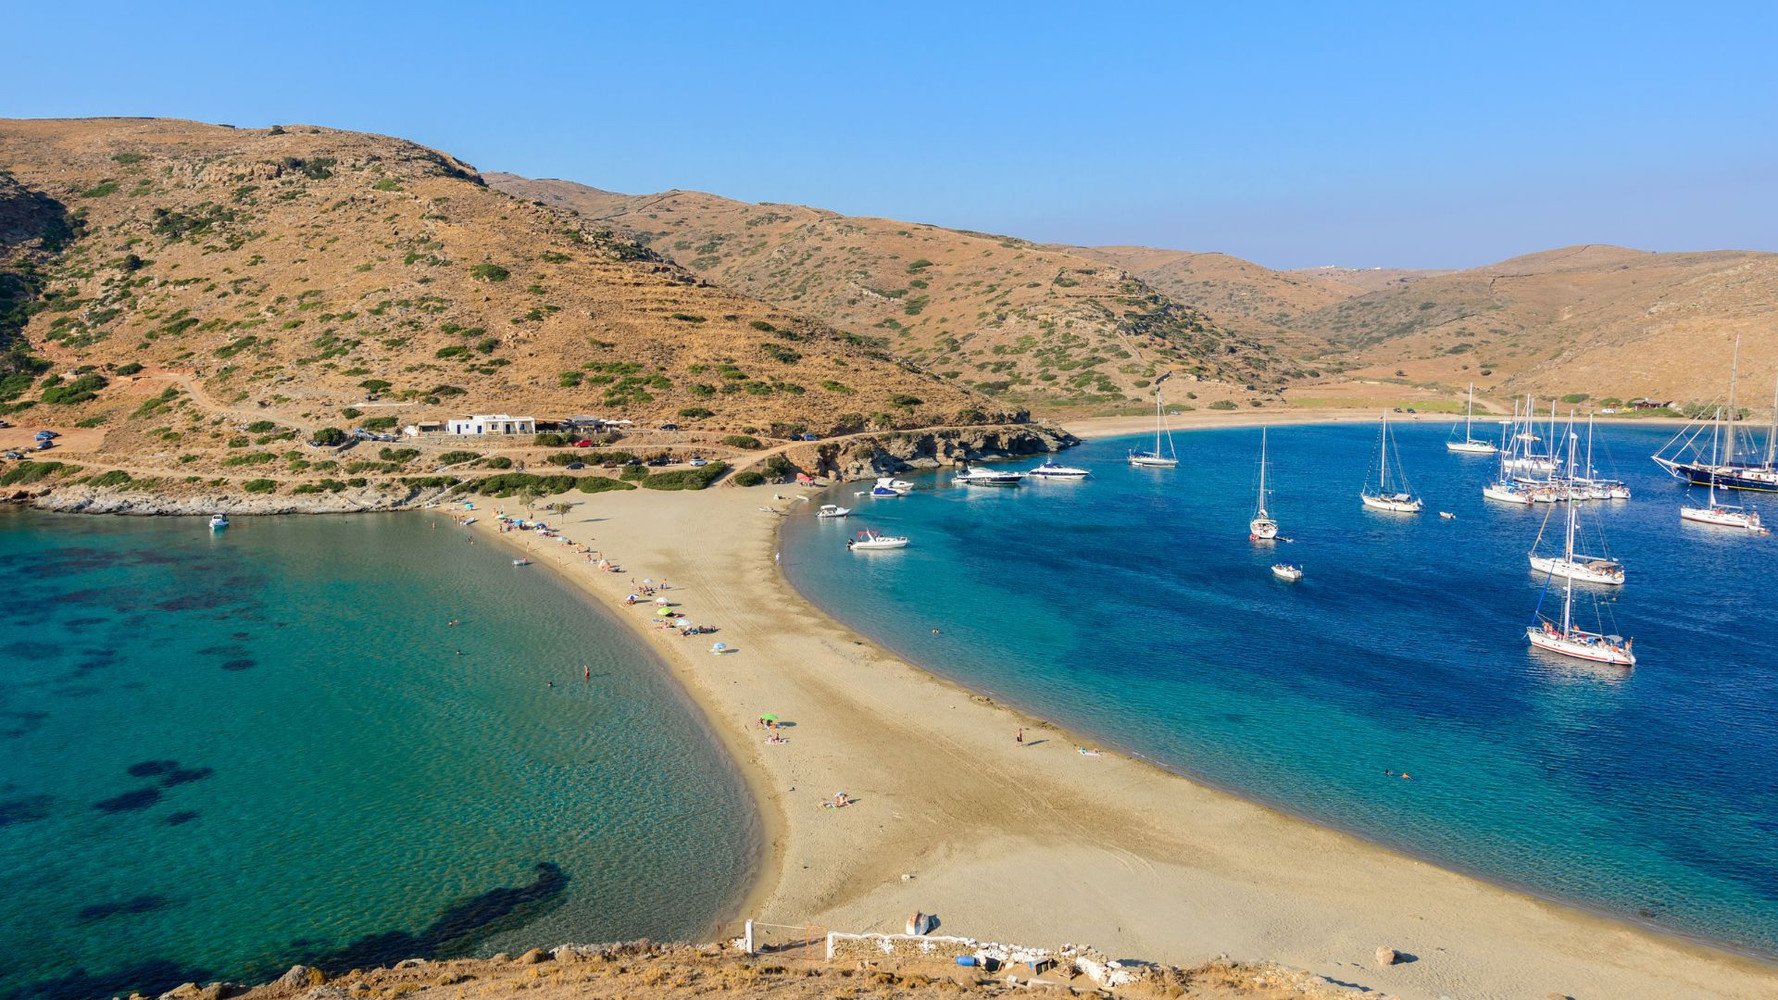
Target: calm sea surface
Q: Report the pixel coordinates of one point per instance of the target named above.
(222, 755)
(1132, 606)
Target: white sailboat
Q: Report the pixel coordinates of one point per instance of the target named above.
(1157, 459)
(1386, 498)
(1469, 445)
(1570, 639)
(1572, 566)
(1721, 514)
(1262, 528)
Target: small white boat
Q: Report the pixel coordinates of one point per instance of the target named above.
(869, 541)
(988, 477)
(1447, 515)
(1050, 470)
(218, 522)
(832, 510)
(521, 562)
(891, 488)
(1287, 572)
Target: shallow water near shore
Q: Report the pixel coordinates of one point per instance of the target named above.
(220, 755)
(1132, 607)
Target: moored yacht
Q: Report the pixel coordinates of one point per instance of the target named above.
(988, 477)
(1387, 496)
(1157, 459)
(1262, 528)
(887, 487)
(1566, 637)
(1469, 445)
(1050, 470)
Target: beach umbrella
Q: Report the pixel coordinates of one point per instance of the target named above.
(662, 601)
(768, 717)
(665, 612)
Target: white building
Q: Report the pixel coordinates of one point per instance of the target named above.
(492, 423)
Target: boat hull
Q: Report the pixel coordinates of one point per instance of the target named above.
(1751, 478)
(1578, 571)
(1743, 520)
(1151, 462)
(1470, 447)
(1505, 495)
(1392, 505)
(1591, 648)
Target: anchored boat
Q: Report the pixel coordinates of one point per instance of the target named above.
(869, 541)
(1567, 638)
(988, 477)
(1050, 470)
(1469, 445)
(1387, 496)
(1157, 459)
(1262, 528)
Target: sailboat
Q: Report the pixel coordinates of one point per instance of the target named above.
(1469, 445)
(1262, 528)
(1586, 569)
(1524, 459)
(1728, 473)
(1570, 639)
(1157, 459)
(1721, 514)
(1400, 501)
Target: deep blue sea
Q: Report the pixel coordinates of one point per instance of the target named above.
(1132, 607)
(220, 755)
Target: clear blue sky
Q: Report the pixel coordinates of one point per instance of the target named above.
(1412, 134)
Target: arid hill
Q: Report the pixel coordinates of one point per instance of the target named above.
(1601, 320)
(1038, 325)
(169, 278)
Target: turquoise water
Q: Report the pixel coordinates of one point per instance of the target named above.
(1132, 607)
(222, 755)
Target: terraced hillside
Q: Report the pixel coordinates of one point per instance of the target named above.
(169, 281)
(1031, 324)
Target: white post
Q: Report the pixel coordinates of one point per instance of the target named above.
(747, 938)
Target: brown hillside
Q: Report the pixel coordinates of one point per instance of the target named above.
(1602, 320)
(1029, 323)
(293, 272)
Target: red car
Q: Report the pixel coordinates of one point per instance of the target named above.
(583, 443)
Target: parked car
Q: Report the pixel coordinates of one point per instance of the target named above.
(659, 460)
(669, 427)
(576, 465)
(45, 445)
(47, 435)
(698, 461)
(808, 437)
(15, 456)
(584, 443)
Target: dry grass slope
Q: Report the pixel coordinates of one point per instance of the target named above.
(1044, 326)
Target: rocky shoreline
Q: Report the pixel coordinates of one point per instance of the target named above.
(650, 971)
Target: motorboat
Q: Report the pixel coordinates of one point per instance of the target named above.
(891, 488)
(1288, 572)
(1447, 515)
(218, 522)
(1051, 470)
(869, 541)
(988, 477)
(832, 510)
(521, 562)
(1387, 498)
(1262, 528)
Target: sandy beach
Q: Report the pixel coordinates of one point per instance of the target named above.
(1036, 843)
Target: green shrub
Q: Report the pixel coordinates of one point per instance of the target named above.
(633, 473)
(1575, 397)
(762, 326)
(781, 354)
(498, 462)
(779, 467)
(507, 484)
(688, 318)
(696, 413)
(454, 457)
(602, 484)
(260, 486)
(31, 472)
(686, 479)
(261, 427)
(489, 273)
(387, 184)
(398, 455)
(329, 437)
(904, 400)
(78, 391)
(129, 369)
(749, 478)
(381, 423)
(746, 441)
(1223, 404)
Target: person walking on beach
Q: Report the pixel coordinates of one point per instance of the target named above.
(1020, 738)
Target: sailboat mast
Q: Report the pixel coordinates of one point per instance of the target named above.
(1469, 415)
(1568, 549)
(1772, 435)
(1734, 371)
(1157, 421)
(1715, 436)
(1262, 469)
(1383, 449)
(1589, 447)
